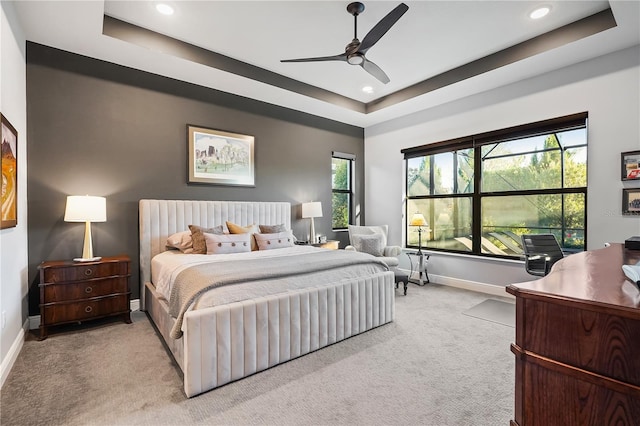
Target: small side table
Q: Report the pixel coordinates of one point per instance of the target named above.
(421, 267)
(329, 244)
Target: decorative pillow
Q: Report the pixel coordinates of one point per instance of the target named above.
(272, 229)
(371, 244)
(227, 243)
(197, 235)
(249, 229)
(181, 241)
(274, 241)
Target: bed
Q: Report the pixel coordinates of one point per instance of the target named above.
(226, 342)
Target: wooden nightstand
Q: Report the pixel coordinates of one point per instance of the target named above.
(330, 244)
(80, 291)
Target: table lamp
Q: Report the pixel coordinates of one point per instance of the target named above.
(418, 220)
(311, 210)
(87, 209)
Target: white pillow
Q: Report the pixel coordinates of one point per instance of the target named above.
(371, 244)
(181, 241)
(227, 243)
(274, 241)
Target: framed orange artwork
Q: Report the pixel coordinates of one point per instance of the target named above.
(9, 174)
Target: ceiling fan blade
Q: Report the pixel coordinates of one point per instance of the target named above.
(375, 71)
(341, 57)
(382, 27)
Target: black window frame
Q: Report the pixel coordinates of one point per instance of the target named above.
(349, 191)
(476, 142)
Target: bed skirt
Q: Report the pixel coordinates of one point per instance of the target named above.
(225, 343)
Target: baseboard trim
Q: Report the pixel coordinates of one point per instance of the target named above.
(34, 320)
(12, 355)
(134, 305)
(495, 290)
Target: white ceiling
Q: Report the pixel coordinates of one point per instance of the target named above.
(431, 38)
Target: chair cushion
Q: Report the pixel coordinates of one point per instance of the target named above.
(369, 230)
(371, 244)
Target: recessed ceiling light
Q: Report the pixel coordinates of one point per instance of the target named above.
(540, 12)
(367, 89)
(164, 8)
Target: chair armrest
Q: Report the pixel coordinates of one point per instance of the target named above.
(391, 251)
(535, 256)
(350, 248)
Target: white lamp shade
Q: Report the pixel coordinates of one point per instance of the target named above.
(85, 208)
(418, 220)
(312, 209)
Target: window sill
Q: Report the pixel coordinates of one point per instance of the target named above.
(465, 256)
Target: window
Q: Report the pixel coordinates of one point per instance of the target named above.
(479, 194)
(342, 189)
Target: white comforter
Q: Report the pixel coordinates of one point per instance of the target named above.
(167, 265)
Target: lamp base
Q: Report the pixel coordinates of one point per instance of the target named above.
(87, 259)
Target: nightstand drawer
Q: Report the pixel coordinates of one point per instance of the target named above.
(59, 313)
(81, 272)
(84, 290)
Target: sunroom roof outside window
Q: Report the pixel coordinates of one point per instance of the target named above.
(535, 162)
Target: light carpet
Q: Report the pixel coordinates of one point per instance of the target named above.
(497, 311)
(431, 366)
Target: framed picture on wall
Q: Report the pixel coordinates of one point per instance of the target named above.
(220, 158)
(631, 201)
(631, 165)
(9, 174)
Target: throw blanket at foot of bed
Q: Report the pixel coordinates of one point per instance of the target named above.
(194, 281)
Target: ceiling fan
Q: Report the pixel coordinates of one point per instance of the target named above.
(355, 51)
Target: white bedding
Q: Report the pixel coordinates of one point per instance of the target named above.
(167, 265)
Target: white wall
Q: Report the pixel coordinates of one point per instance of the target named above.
(13, 241)
(608, 88)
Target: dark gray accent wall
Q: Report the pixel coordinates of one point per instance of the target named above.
(101, 129)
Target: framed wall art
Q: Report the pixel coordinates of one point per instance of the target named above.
(220, 158)
(9, 174)
(631, 165)
(631, 201)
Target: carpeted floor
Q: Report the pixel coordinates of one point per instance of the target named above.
(431, 366)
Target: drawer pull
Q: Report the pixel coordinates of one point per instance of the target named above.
(88, 290)
(88, 272)
(88, 309)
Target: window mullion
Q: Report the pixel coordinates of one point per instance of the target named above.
(476, 221)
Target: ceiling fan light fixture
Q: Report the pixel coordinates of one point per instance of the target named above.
(367, 89)
(355, 59)
(540, 12)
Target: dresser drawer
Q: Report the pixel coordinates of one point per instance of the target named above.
(82, 272)
(75, 292)
(59, 313)
(84, 290)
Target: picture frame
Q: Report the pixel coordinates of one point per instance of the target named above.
(631, 201)
(630, 162)
(9, 160)
(218, 157)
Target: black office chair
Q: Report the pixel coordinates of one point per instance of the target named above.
(541, 251)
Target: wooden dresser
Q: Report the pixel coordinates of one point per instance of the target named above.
(578, 343)
(79, 291)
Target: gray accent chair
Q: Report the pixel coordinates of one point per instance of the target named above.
(373, 240)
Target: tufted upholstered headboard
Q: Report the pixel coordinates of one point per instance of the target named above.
(161, 218)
